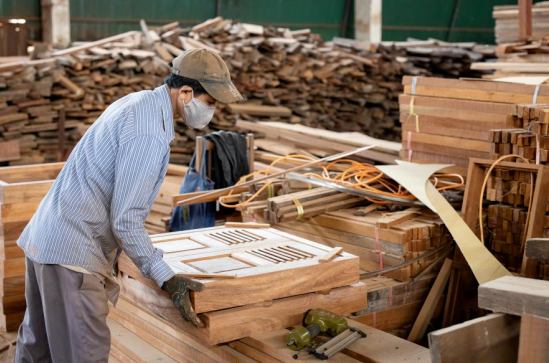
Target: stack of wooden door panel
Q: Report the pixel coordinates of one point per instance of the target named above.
(276, 278)
(449, 121)
(22, 188)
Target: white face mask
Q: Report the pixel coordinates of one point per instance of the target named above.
(197, 114)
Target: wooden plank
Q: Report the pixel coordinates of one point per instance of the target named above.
(392, 219)
(274, 345)
(377, 347)
(135, 347)
(150, 326)
(253, 352)
(331, 255)
(18, 212)
(90, 45)
(489, 339)
(515, 295)
(9, 150)
(525, 19)
(534, 339)
(259, 110)
(232, 324)
(428, 309)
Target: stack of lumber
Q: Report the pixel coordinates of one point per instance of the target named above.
(393, 306)
(531, 141)
(449, 121)
(286, 139)
(404, 243)
(138, 335)
(285, 75)
(161, 211)
(436, 58)
(22, 188)
(257, 280)
(519, 58)
(507, 228)
(48, 104)
(507, 22)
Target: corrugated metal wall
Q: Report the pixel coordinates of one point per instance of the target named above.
(433, 18)
(93, 19)
(100, 18)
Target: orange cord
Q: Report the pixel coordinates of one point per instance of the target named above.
(359, 176)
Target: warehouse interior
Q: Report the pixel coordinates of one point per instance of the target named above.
(274, 181)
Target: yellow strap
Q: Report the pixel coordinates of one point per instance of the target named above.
(412, 113)
(271, 191)
(310, 186)
(299, 208)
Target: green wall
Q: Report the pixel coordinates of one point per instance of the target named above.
(93, 19)
(432, 18)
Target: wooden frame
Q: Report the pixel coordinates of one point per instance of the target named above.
(210, 146)
(471, 201)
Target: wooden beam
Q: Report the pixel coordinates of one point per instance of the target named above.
(90, 45)
(534, 339)
(428, 309)
(492, 338)
(56, 25)
(537, 248)
(525, 19)
(515, 295)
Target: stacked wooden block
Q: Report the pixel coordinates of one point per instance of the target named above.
(507, 22)
(381, 240)
(393, 306)
(22, 188)
(531, 141)
(507, 221)
(449, 121)
(276, 277)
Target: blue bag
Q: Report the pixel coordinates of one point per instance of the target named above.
(194, 216)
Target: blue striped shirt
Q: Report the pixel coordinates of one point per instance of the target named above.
(98, 204)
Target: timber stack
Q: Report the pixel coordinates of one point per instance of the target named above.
(449, 121)
(259, 281)
(22, 189)
(507, 22)
(292, 76)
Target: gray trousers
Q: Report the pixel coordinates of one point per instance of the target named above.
(66, 317)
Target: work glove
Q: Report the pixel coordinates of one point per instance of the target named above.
(179, 288)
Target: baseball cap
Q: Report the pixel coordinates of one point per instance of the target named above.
(209, 69)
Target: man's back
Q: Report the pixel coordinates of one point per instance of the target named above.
(86, 202)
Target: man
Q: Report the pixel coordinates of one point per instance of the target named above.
(97, 207)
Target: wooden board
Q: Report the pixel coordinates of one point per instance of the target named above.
(515, 295)
(377, 347)
(489, 339)
(534, 339)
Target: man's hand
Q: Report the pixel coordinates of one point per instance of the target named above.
(179, 288)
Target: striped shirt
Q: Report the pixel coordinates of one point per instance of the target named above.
(98, 204)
